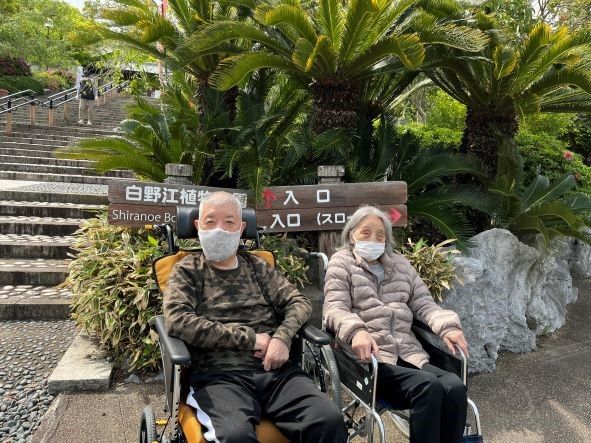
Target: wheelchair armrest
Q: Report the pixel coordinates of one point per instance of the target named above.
(175, 348)
(439, 354)
(314, 335)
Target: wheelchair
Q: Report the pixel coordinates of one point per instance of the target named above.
(310, 348)
(359, 385)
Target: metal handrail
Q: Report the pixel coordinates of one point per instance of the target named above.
(13, 98)
(53, 100)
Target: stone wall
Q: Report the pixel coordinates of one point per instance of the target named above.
(513, 291)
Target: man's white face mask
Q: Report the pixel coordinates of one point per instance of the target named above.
(218, 244)
(369, 250)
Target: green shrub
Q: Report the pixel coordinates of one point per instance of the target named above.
(432, 137)
(290, 257)
(54, 80)
(113, 291)
(16, 84)
(433, 264)
(553, 124)
(546, 155)
(445, 112)
(578, 136)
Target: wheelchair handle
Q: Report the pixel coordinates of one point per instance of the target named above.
(323, 257)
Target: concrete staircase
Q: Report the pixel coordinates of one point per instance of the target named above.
(42, 202)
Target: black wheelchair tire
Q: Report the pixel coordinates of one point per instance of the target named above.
(327, 379)
(147, 432)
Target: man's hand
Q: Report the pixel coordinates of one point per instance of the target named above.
(456, 338)
(261, 345)
(277, 354)
(364, 346)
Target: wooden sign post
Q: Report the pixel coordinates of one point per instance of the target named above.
(322, 207)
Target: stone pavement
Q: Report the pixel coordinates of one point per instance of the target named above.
(538, 397)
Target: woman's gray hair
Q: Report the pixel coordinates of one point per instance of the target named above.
(221, 198)
(356, 218)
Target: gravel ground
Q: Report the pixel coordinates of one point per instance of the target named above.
(29, 351)
(34, 292)
(66, 188)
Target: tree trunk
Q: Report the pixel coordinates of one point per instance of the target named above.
(484, 129)
(335, 105)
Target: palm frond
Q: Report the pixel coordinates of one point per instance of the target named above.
(407, 48)
(355, 27)
(234, 69)
(331, 21)
(293, 16)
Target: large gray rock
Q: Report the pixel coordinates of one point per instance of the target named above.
(580, 259)
(492, 301)
(514, 290)
(552, 285)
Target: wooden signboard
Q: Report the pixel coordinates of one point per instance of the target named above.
(280, 209)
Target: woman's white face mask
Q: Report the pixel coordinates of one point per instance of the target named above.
(217, 244)
(369, 250)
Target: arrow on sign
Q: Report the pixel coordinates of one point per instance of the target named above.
(269, 196)
(394, 215)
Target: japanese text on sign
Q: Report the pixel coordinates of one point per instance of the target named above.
(322, 196)
(161, 194)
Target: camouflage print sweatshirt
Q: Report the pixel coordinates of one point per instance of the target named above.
(218, 312)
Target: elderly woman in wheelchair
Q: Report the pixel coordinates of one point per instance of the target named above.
(372, 295)
(238, 317)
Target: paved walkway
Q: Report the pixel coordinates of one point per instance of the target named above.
(538, 397)
(542, 396)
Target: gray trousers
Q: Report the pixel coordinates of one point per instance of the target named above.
(86, 106)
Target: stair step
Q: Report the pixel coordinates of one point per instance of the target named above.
(33, 141)
(55, 137)
(76, 193)
(45, 209)
(32, 176)
(19, 271)
(29, 302)
(30, 225)
(62, 170)
(18, 152)
(33, 146)
(78, 131)
(46, 161)
(35, 246)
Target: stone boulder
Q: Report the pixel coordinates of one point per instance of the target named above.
(551, 285)
(513, 290)
(580, 258)
(492, 300)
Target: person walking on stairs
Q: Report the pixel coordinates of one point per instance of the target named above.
(86, 94)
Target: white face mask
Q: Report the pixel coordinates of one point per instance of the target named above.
(218, 244)
(369, 250)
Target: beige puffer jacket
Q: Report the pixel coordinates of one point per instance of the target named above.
(354, 301)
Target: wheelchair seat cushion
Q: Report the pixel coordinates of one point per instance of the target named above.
(266, 431)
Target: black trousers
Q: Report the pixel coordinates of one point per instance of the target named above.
(230, 404)
(437, 400)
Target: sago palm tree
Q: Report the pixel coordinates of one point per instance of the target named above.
(547, 72)
(331, 48)
(432, 195)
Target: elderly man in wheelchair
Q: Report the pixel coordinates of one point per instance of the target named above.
(238, 317)
(372, 295)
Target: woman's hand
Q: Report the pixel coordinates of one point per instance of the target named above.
(364, 346)
(456, 338)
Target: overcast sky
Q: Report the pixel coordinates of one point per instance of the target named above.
(77, 3)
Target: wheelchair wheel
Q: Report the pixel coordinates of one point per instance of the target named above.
(147, 432)
(401, 419)
(321, 365)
